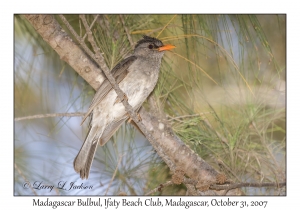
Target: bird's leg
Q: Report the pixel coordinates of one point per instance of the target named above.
(130, 119)
(139, 117)
(118, 100)
(135, 125)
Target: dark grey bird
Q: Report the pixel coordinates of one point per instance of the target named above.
(137, 76)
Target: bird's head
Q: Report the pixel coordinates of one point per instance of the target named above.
(151, 47)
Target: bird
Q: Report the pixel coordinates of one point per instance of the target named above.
(137, 76)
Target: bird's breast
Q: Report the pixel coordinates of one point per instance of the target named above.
(137, 86)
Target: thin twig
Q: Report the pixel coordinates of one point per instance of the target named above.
(223, 139)
(190, 115)
(127, 32)
(227, 169)
(165, 26)
(168, 183)
(266, 146)
(239, 185)
(91, 26)
(115, 172)
(75, 114)
(152, 31)
(183, 116)
(81, 41)
(201, 69)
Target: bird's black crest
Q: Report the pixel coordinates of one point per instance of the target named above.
(145, 39)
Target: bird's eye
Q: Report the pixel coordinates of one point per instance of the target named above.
(150, 46)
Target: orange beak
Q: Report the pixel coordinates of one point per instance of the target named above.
(166, 47)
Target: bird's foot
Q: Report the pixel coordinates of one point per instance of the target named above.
(130, 119)
(118, 100)
(139, 117)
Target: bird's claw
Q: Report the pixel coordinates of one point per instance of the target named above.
(138, 116)
(118, 100)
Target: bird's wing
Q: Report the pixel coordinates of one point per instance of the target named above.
(113, 127)
(110, 130)
(83, 161)
(119, 72)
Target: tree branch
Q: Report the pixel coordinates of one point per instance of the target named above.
(239, 185)
(167, 144)
(70, 52)
(159, 188)
(38, 116)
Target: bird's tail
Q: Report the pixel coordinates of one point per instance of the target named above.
(83, 161)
